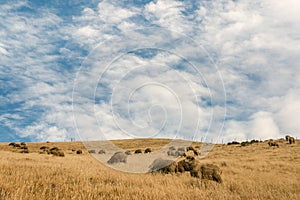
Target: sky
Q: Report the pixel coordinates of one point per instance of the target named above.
(212, 71)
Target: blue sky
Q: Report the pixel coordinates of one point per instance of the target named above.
(201, 70)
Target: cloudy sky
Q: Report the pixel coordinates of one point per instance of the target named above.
(198, 70)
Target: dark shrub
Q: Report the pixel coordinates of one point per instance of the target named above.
(245, 143)
(232, 143)
(254, 141)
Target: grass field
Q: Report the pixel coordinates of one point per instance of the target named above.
(256, 171)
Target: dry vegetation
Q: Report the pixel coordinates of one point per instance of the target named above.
(256, 171)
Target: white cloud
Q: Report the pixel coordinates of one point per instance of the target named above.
(289, 113)
(255, 44)
(263, 126)
(168, 14)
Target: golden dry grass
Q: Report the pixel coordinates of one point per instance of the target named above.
(252, 172)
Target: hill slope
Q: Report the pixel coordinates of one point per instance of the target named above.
(256, 171)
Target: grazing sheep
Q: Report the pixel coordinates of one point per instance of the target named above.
(102, 152)
(179, 153)
(138, 151)
(185, 164)
(209, 172)
(24, 151)
(54, 149)
(287, 137)
(172, 153)
(188, 164)
(79, 151)
(190, 153)
(148, 150)
(24, 147)
(181, 149)
(291, 140)
(58, 153)
(272, 143)
(12, 144)
(163, 166)
(91, 151)
(172, 148)
(128, 153)
(118, 157)
(190, 148)
(44, 148)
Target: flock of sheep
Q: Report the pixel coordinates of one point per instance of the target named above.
(187, 160)
(22, 147)
(289, 139)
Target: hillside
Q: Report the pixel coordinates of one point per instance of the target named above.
(256, 171)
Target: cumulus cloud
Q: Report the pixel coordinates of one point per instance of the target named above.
(263, 126)
(252, 46)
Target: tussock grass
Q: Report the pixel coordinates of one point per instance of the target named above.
(253, 172)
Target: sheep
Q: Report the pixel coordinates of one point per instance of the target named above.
(12, 144)
(118, 157)
(272, 143)
(101, 151)
(138, 151)
(163, 166)
(91, 151)
(291, 140)
(79, 151)
(148, 150)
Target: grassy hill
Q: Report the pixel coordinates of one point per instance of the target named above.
(256, 171)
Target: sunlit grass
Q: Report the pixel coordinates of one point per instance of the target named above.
(252, 172)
